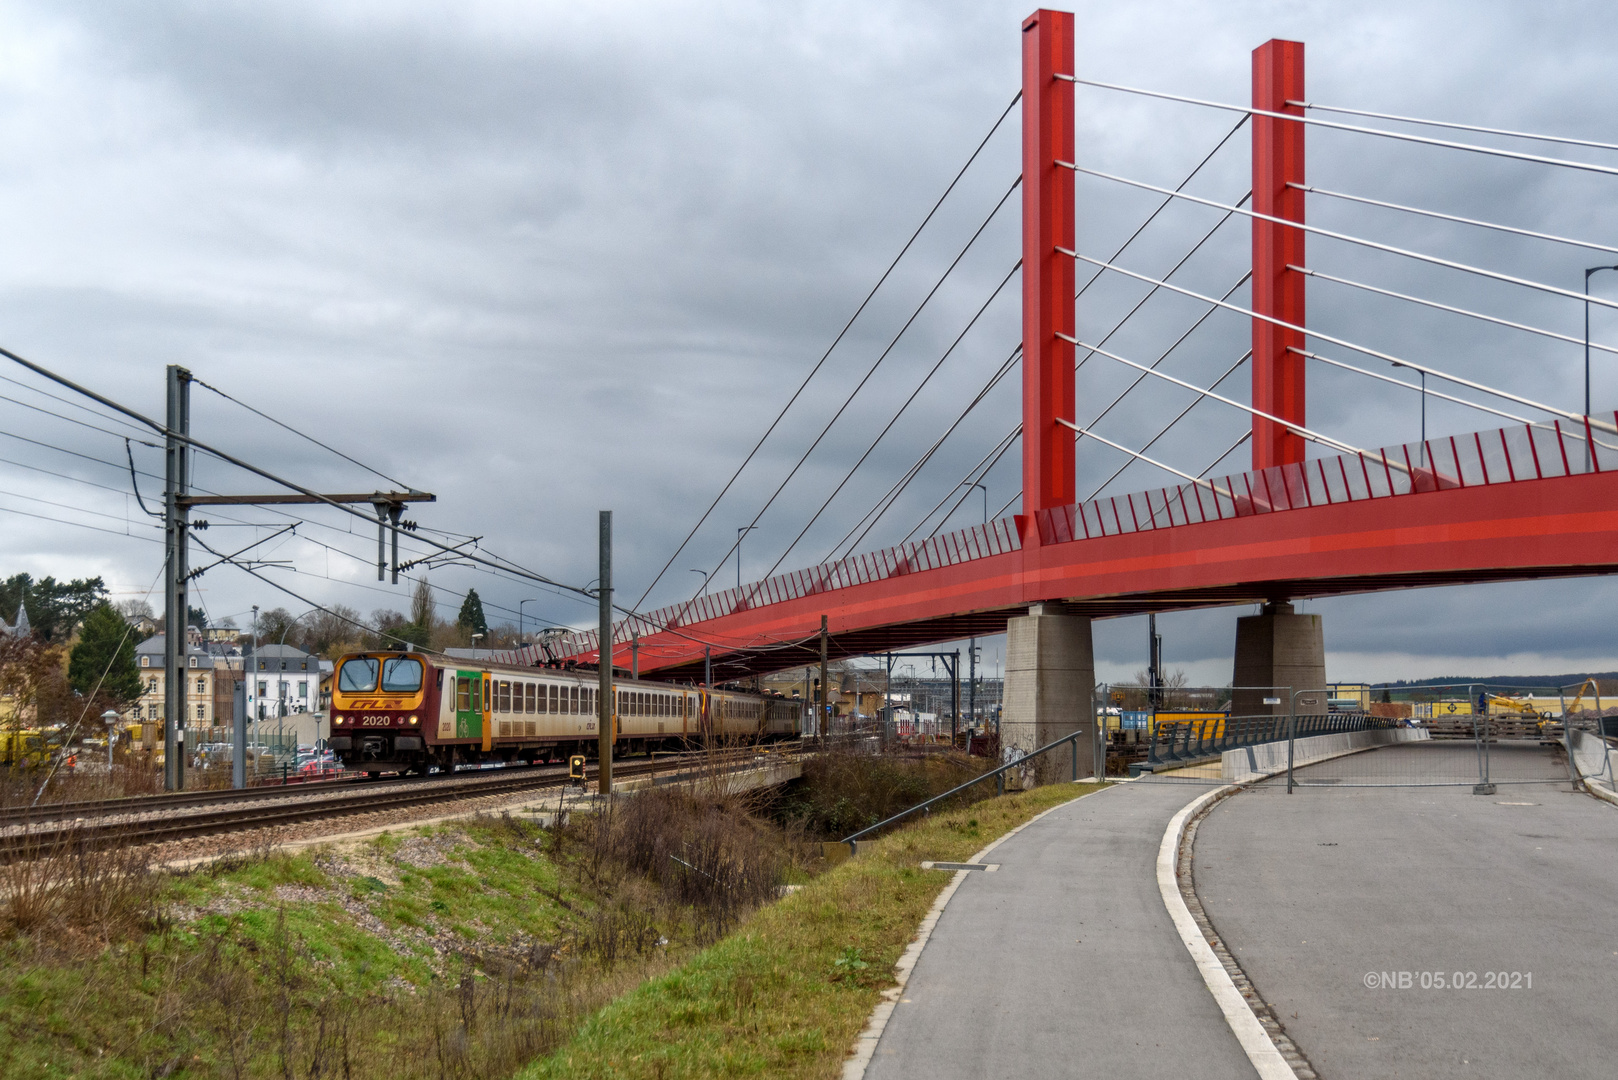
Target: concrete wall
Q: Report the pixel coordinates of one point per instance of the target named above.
(1276, 649)
(1251, 762)
(1594, 761)
(1049, 690)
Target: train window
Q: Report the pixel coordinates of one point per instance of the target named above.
(401, 676)
(502, 696)
(463, 695)
(528, 694)
(553, 695)
(358, 676)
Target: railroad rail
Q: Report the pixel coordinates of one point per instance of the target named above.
(296, 805)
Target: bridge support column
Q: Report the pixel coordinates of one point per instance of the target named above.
(1277, 648)
(1049, 690)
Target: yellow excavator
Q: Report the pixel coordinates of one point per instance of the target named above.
(1516, 707)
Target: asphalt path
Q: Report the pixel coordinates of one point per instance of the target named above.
(1321, 892)
(1064, 961)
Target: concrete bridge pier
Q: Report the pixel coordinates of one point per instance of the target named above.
(1049, 691)
(1277, 648)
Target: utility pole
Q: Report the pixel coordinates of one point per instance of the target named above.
(176, 523)
(1154, 664)
(634, 654)
(972, 682)
(823, 720)
(604, 709)
(955, 699)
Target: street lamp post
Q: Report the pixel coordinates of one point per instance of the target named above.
(530, 600)
(972, 645)
(741, 532)
(1587, 273)
(704, 574)
(475, 638)
(109, 718)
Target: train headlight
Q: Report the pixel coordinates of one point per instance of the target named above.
(337, 719)
(412, 719)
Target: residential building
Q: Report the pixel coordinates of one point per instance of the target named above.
(282, 681)
(200, 710)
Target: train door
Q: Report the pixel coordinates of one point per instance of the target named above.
(488, 718)
(468, 704)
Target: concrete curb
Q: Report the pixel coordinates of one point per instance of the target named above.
(1255, 1041)
(865, 1045)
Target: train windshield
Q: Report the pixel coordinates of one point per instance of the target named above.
(358, 676)
(401, 676)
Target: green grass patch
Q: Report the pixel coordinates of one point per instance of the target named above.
(786, 994)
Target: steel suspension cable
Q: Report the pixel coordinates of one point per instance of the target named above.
(1165, 429)
(1537, 159)
(894, 419)
(1005, 442)
(1367, 350)
(1435, 260)
(1478, 222)
(1495, 319)
(849, 400)
(1456, 127)
(982, 472)
(829, 349)
(885, 503)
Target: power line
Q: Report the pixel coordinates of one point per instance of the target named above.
(829, 349)
(80, 525)
(300, 434)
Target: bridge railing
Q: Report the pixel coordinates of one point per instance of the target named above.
(1499, 456)
(1181, 742)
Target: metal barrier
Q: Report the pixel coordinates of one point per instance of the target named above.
(994, 774)
(1183, 742)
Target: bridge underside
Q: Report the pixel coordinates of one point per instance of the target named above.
(1544, 528)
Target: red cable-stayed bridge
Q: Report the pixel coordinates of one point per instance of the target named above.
(1532, 499)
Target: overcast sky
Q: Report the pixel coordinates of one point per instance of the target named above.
(547, 259)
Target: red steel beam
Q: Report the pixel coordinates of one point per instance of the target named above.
(1278, 375)
(1560, 527)
(1047, 277)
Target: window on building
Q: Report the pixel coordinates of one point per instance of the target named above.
(193, 661)
(303, 689)
(201, 714)
(202, 685)
(151, 685)
(261, 685)
(146, 661)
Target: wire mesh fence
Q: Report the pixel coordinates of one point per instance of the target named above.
(1465, 735)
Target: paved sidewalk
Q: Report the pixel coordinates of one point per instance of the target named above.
(1064, 962)
(1318, 891)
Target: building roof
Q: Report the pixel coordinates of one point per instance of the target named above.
(153, 646)
(280, 652)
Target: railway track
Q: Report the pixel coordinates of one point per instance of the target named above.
(142, 822)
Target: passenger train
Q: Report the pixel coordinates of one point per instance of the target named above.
(411, 712)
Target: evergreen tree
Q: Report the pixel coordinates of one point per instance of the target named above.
(471, 616)
(106, 645)
(54, 607)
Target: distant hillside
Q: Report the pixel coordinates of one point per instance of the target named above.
(1606, 681)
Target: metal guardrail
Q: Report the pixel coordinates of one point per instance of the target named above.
(993, 774)
(1182, 742)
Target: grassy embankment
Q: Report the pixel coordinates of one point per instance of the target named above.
(475, 948)
(788, 991)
